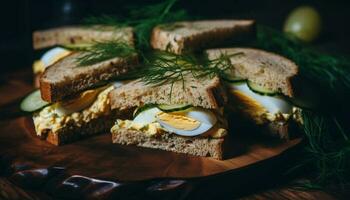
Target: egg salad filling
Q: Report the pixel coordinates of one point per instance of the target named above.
(88, 105)
(49, 58)
(190, 122)
(262, 108)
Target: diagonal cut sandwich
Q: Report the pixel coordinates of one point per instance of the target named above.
(260, 87)
(73, 98)
(79, 36)
(64, 40)
(183, 117)
(188, 36)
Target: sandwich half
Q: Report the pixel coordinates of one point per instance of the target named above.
(179, 37)
(79, 35)
(72, 101)
(63, 40)
(260, 85)
(183, 117)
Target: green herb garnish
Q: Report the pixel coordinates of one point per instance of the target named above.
(161, 67)
(102, 51)
(142, 19)
(327, 154)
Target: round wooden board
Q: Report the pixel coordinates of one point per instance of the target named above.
(98, 157)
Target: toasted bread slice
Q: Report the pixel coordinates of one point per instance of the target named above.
(191, 36)
(61, 125)
(72, 132)
(266, 69)
(206, 93)
(66, 78)
(198, 146)
(80, 34)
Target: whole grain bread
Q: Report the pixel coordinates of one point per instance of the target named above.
(198, 146)
(72, 132)
(80, 34)
(65, 78)
(264, 68)
(191, 36)
(206, 93)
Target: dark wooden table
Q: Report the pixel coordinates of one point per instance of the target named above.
(275, 189)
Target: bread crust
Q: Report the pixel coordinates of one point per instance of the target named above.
(72, 132)
(76, 79)
(197, 146)
(204, 34)
(79, 34)
(267, 69)
(207, 93)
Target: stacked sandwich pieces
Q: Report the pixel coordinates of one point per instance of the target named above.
(75, 96)
(186, 115)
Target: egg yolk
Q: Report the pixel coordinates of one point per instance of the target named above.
(178, 121)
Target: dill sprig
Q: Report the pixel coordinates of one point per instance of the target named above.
(332, 72)
(166, 67)
(106, 20)
(327, 153)
(328, 149)
(143, 19)
(102, 51)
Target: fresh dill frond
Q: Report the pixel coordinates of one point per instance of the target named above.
(328, 150)
(162, 66)
(143, 19)
(102, 51)
(327, 153)
(331, 72)
(106, 20)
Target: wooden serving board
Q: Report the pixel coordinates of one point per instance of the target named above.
(97, 157)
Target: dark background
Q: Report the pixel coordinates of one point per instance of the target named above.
(20, 17)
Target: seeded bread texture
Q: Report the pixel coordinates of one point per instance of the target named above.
(72, 132)
(65, 78)
(264, 68)
(191, 36)
(79, 34)
(198, 146)
(206, 93)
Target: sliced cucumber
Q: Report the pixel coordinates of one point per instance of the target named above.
(77, 47)
(143, 108)
(173, 108)
(33, 102)
(261, 90)
(234, 79)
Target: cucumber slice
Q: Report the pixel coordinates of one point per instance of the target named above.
(33, 102)
(234, 79)
(173, 108)
(261, 90)
(77, 47)
(143, 108)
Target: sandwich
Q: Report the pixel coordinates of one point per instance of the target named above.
(182, 37)
(260, 88)
(72, 101)
(63, 40)
(183, 116)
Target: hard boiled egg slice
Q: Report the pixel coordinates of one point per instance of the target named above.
(53, 55)
(273, 104)
(146, 117)
(80, 102)
(194, 122)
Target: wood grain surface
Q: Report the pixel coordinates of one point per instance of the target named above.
(251, 159)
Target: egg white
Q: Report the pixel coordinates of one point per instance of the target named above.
(273, 104)
(49, 57)
(206, 118)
